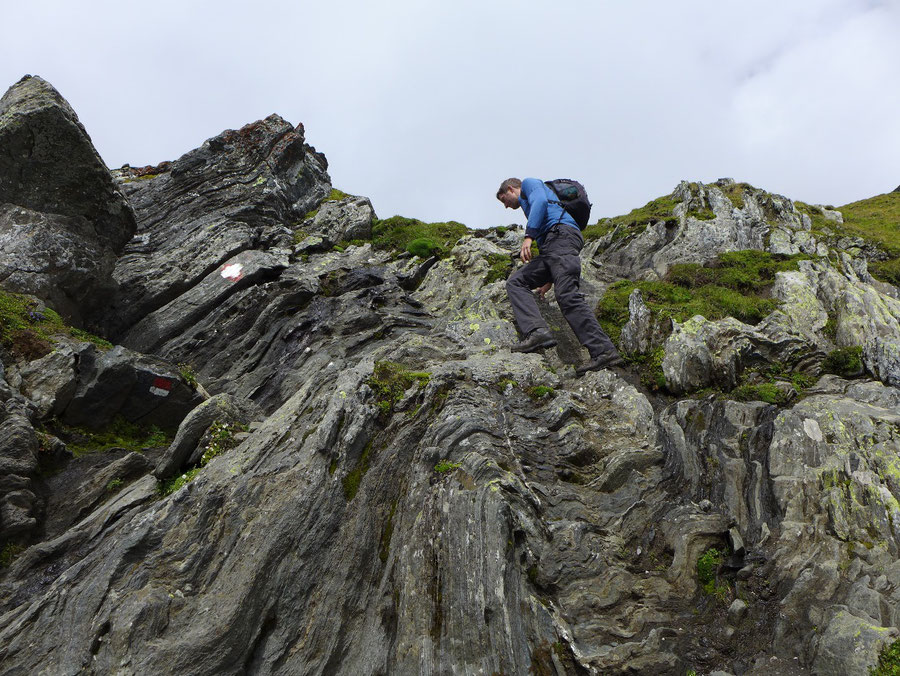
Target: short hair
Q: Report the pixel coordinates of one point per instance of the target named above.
(507, 184)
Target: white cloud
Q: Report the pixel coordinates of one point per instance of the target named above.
(426, 106)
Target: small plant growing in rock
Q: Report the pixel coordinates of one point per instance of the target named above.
(503, 384)
(707, 570)
(445, 466)
(845, 361)
(390, 380)
(500, 267)
(539, 392)
(9, 552)
(423, 247)
(114, 485)
(888, 661)
(220, 438)
(188, 374)
(118, 434)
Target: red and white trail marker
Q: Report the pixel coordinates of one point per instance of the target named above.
(233, 272)
(161, 386)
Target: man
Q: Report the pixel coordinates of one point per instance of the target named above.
(560, 242)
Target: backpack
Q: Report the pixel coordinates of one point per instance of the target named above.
(573, 198)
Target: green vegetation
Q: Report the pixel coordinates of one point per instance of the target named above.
(424, 247)
(877, 220)
(114, 484)
(649, 367)
(702, 214)
(118, 434)
(888, 661)
(9, 552)
(636, 220)
(390, 381)
(707, 570)
(506, 382)
(501, 266)
(845, 361)
(334, 196)
(539, 391)
(735, 193)
(733, 286)
(353, 478)
(445, 466)
(188, 374)
(401, 234)
(220, 438)
(767, 392)
(29, 330)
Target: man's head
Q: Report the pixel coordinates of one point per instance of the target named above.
(509, 193)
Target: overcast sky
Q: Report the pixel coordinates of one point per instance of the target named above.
(425, 106)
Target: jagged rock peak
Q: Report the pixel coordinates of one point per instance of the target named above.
(63, 173)
(63, 220)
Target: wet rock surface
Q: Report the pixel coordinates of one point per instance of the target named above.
(411, 497)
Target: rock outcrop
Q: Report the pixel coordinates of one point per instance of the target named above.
(406, 495)
(63, 220)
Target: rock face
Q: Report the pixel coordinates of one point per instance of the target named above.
(237, 193)
(410, 497)
(63, 220)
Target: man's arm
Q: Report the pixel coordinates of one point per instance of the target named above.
(537, 206)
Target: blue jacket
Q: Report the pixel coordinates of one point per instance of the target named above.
(542, 213)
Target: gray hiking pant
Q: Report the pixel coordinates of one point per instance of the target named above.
(559, 262)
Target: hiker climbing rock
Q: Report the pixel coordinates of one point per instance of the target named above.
(556, 212)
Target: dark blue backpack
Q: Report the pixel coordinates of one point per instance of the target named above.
(573, 198)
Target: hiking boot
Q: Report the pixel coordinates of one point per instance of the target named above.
(534, 341)
(604, 361)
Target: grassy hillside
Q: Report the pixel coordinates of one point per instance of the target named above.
(877, 219)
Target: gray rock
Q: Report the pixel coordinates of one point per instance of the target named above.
(736, 612)
(62, 218)
(343, 220)
(235, 193)
(850, 646)
(700, 353)
(639, 334)
(50, 381)
(142, 389)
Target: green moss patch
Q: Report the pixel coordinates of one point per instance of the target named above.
(500, 267)
(390, 380)
(9, 552)
(118, 434)
(399, 233)
(735, 193)
(845, 361)
(732, 286)
(29, 330)
(888, 661)
(707, 574)
(352, 479)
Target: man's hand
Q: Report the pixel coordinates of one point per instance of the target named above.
(525, 253)
(544, 289)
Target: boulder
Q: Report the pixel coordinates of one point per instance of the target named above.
(118, 382)
(343, 220)
(63, 220)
